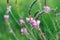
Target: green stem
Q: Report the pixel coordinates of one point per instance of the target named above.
(57, 36)
(14, 18)
(42, 35)
(48, 28)
(53, 22)
(11, 30)
(30, 32)
(29, 37)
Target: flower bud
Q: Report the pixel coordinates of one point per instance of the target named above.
(21, 21)
(6, 16)
(27, 19)
(24, 30)
(35, 24)
(8, 8)
(47, 9)
(33, 21)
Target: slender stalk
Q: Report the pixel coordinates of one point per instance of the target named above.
(57, 37)
(7, 1)
(53, 23)
(11, 30)
(39, 3)
(30, 32)
(43, 36)
(57, 14)
(57, 24)
(38, 15)
(39, 8)
(40, 36)
(45, 3)
(55, 11)
(48, 28)
(17, 9)
(29, 37)
(29, 11)
(15, 18)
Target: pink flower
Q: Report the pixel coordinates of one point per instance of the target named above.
(9, 8)
(47, 9)
(24, 30)
(6, 16)
(38, 22)
(21, 21)
(35, 23)
(27, 19)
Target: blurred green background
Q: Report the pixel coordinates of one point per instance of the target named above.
(47, 25)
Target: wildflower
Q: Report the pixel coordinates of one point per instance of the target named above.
(27, 19)
(24, 30)
(6, 16)
(8, 7)
(38, 23)
(35, 23)
(47, 9)
(21, 21)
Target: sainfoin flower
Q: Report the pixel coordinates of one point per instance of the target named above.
(27, 19)
(6, 16)
(35, 23)
(47, 9)
(8, 8)
(21, 21)
(24, 30)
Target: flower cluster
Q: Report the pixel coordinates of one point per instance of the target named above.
(21, 21)
(33, 22)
